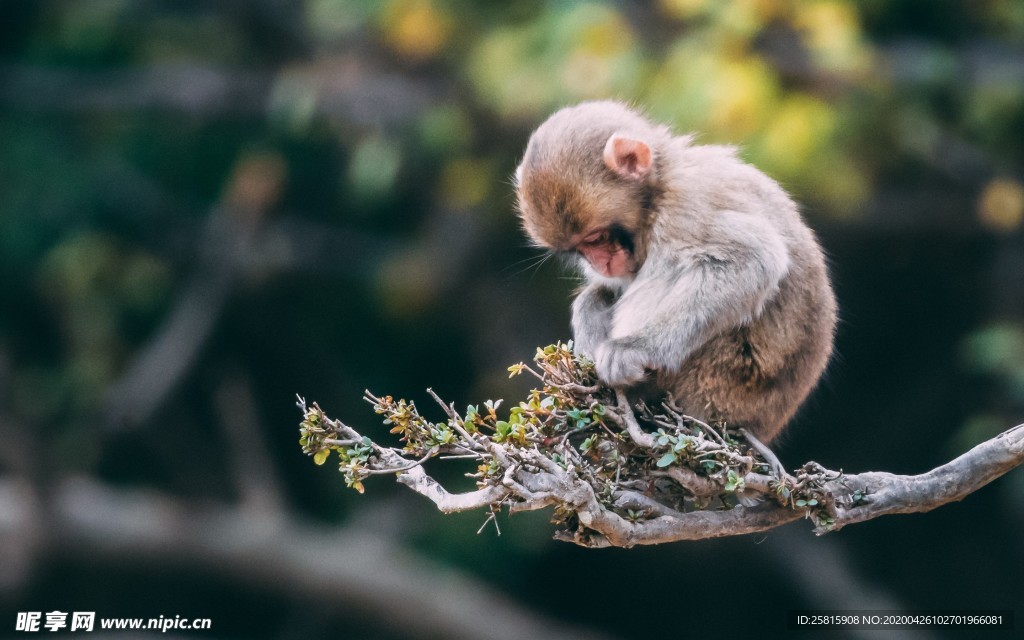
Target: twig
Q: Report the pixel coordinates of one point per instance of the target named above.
(636, 434)
(768, 454)
(412, 465)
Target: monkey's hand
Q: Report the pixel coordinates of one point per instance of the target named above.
(592, 318)
(622, 361)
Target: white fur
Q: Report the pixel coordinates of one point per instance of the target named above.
(679, 301)
(593, 275)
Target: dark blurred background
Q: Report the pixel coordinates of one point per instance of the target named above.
(208, 207)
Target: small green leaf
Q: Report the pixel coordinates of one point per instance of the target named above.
(320, 456)
(667, 459)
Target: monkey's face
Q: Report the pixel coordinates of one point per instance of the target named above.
(595, 220)
(609, 251)
(586, 210)
(585, 183)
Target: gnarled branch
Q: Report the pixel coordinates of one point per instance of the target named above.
(622, 475)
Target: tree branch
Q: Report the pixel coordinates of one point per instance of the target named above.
(326, 568)
(347, 87)
(888, 493)
(619, 475)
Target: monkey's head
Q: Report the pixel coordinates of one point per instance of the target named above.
(586, 182)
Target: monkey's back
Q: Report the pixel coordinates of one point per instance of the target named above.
(756, 375)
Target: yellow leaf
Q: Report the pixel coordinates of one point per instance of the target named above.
(683, 9)
(417, 29)
(800, 126)
(1001, 205)
(832, 32)
(465, 182)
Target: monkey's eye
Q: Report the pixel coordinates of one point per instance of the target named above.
(597, 238)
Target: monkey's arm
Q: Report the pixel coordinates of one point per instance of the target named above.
(687, 294)
(592, 317)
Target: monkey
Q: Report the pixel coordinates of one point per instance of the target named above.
(702, 281)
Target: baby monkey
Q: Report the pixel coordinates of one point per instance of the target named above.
(702, 281)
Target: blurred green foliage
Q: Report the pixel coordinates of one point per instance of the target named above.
(813, 92)
(335, 173)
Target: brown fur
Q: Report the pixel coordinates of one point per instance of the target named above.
(730, 305)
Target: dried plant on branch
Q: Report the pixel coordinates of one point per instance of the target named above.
(621, 474)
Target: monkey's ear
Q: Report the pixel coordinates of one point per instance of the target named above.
(628, 157)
